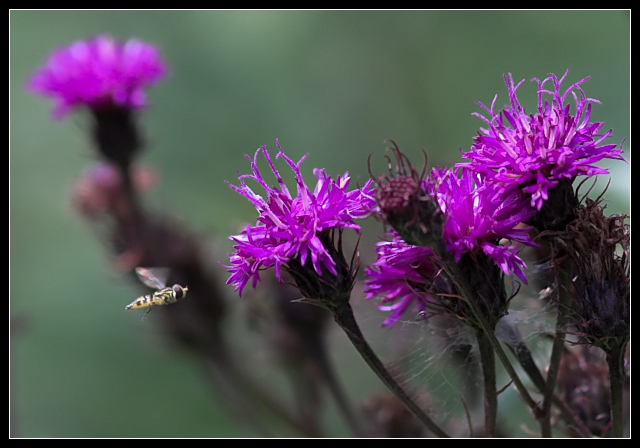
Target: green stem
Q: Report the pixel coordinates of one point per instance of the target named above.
(343, 315)
(488, 362)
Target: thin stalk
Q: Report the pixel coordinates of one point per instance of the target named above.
(459, 281)
(555, 358)
(616, 382)
(237, 405)
(307, 396)
(343, 315)
(488, 362)
(255, 394)
(524, 357)
(318, 354)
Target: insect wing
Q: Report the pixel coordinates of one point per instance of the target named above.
(153, 277)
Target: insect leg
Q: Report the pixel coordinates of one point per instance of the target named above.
(144, 316)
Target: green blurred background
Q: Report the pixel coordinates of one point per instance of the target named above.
(333, 84)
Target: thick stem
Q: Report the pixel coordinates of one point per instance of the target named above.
(343, 315)
(488, 362)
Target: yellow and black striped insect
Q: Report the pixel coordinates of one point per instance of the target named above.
(156, 278)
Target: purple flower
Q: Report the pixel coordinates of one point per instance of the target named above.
(289, 228)
(401, 277)
(98, 72)
(532, 153)
(476, 218)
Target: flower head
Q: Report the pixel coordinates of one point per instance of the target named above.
(402, 277)
(404, 204)
(532, 153)
(293, 229)
(476, 219)
(97, 73)
(599, 247)
(101, 189)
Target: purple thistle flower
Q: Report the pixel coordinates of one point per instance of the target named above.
(476, 219)
(402, 277)
(533, 153)
(289, 228)
(97, 73)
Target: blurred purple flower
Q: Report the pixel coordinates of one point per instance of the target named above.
(288, 227)
(532, 153)
(98, 72)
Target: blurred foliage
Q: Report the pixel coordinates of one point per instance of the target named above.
(332, 84)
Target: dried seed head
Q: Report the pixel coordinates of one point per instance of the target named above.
(599, 248)
(404, 202)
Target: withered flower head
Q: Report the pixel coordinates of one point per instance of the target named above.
(404, 203)
(601, 284)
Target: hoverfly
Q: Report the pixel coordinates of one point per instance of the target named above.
(156, 278)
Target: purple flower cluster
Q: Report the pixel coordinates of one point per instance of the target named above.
(475, 211)
(98, 72)
(532, 153)
(403, 274)
(288, 227)
(514, 164)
